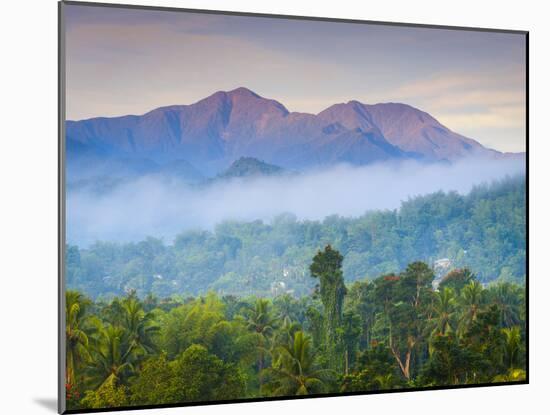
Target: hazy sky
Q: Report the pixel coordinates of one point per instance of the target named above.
(127, 61)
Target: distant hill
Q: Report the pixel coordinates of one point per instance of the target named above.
(225, 126)
(484, 230)
(250, 166)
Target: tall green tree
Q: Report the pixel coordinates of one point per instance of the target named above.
(471, 301)
(349, 333)
(360, 300)
(509, 299)
(327, 267)
(113, 357)
(261, 323)
(141, 327)
(189, 323)
(444, 310)
(77, 348)
(405, 300)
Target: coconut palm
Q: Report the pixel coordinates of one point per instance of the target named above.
(285, 333)
(293, 370)
(140, 326)
(77, 347)
(285, 305)
(261, 323)
(444, 309)
(471, 301)
(113, 355)
(512, 343)
(509, 300)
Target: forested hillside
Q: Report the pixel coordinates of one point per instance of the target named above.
(484, 230)
(391, 333)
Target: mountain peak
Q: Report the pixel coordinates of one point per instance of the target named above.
(243, 92)
(253, 103)
(240, 94)
(250, 166)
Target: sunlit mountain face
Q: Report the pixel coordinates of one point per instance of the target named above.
(207, 136)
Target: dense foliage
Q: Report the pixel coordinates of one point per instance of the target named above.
(395, 331)
(484, 230)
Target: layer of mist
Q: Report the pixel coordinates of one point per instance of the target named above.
(153, 206)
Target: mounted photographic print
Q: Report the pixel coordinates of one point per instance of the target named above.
(258, 207)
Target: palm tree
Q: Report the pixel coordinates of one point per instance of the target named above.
(471, 302)
(285, 333)
(140, 326)
(293, 370)
(444, 311)
(512, 345)
(77, 348)
(113, 355)
(261, 323)
(509, 301)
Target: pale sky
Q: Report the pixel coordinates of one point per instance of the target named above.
(129, 61)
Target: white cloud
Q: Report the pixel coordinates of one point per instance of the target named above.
(149, 207)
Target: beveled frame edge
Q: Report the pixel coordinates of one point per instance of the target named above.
(61, 100)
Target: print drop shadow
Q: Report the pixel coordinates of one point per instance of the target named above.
(48, 403)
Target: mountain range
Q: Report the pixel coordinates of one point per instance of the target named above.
(205, 137)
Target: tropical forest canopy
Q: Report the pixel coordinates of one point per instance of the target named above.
(393, 332)
(484, 230)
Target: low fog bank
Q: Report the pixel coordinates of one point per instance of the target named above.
(150, 206)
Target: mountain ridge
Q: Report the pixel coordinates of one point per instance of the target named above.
(217, 130)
